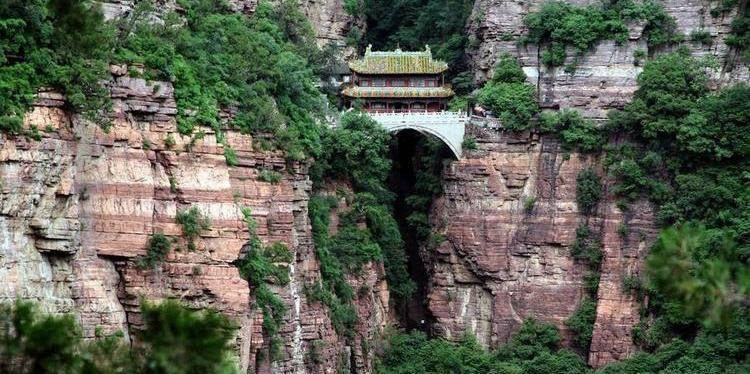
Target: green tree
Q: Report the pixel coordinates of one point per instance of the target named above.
(705, 275)
(182, 341)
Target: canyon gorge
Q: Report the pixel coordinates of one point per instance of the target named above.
(79, 206)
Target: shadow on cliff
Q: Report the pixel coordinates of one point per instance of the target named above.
(415, 180)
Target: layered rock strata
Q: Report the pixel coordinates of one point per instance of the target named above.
(79, 206)
(509, 216)
(604, 77)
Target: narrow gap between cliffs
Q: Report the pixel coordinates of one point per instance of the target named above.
(415, 180)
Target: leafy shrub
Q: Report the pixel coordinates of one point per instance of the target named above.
(260, 266)
(60, 44)
(581, 323)
(356, 151)
(181, 340)
(701, 36)
(587, 247)
(638, 56)
(508, 70)
(513, 103)
(533, 349)
(588, 191)
(169, 142)
(172, 339)
(230, 156)
(156, 251)
(254, 66)
(528, 204)
(573, 130)
(508, 96)
(270, 176)
(193, 222)
(705, 286)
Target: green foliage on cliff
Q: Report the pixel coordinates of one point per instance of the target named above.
(701, 272)
(588, 191)
(355, 152)
(509, 97)
(739, 36)
(533, 349)
(713, 350)
(263, 266)
(218, 59)
(193, 223)
(63, 44)
(574, 131)
(691, 161)
(156, 251)
(558, 25)
(173, 340)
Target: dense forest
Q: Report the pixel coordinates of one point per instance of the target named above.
(681, 143)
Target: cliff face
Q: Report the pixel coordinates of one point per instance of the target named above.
(500, 263)
(79, 206)
(509, 216)
(605, 77)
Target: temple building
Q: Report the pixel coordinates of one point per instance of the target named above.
(398, 81)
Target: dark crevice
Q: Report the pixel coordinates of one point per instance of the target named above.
(412, 155)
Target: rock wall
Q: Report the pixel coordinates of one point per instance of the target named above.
(509, 216)
(501, 264)
(605, 76)
(79, 205)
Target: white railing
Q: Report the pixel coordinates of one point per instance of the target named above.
(419, 118)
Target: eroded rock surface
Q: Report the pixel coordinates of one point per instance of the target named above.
(509, 216)
(79, 206)
(605, 77)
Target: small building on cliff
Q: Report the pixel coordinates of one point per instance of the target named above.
(398, 81)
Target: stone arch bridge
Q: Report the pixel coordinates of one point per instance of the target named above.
(449, 127)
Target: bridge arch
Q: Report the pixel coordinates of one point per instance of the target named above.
(449, 127)
(455, 148)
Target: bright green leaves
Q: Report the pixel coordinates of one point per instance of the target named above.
(533, 349)
(222, 60)
(573, 130)
(172, 339)
(701, 270)
(63, 44)
(181, 340)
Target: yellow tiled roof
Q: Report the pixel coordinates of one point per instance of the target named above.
(418, 92)
(398, 62)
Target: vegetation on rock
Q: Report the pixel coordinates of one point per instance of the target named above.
(559, 25)
(535, 348)
(509, 97)
(62, 44)
(193, 223)
(262, 266)
(156, 251)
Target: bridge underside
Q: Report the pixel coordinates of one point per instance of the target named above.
(449, 127)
